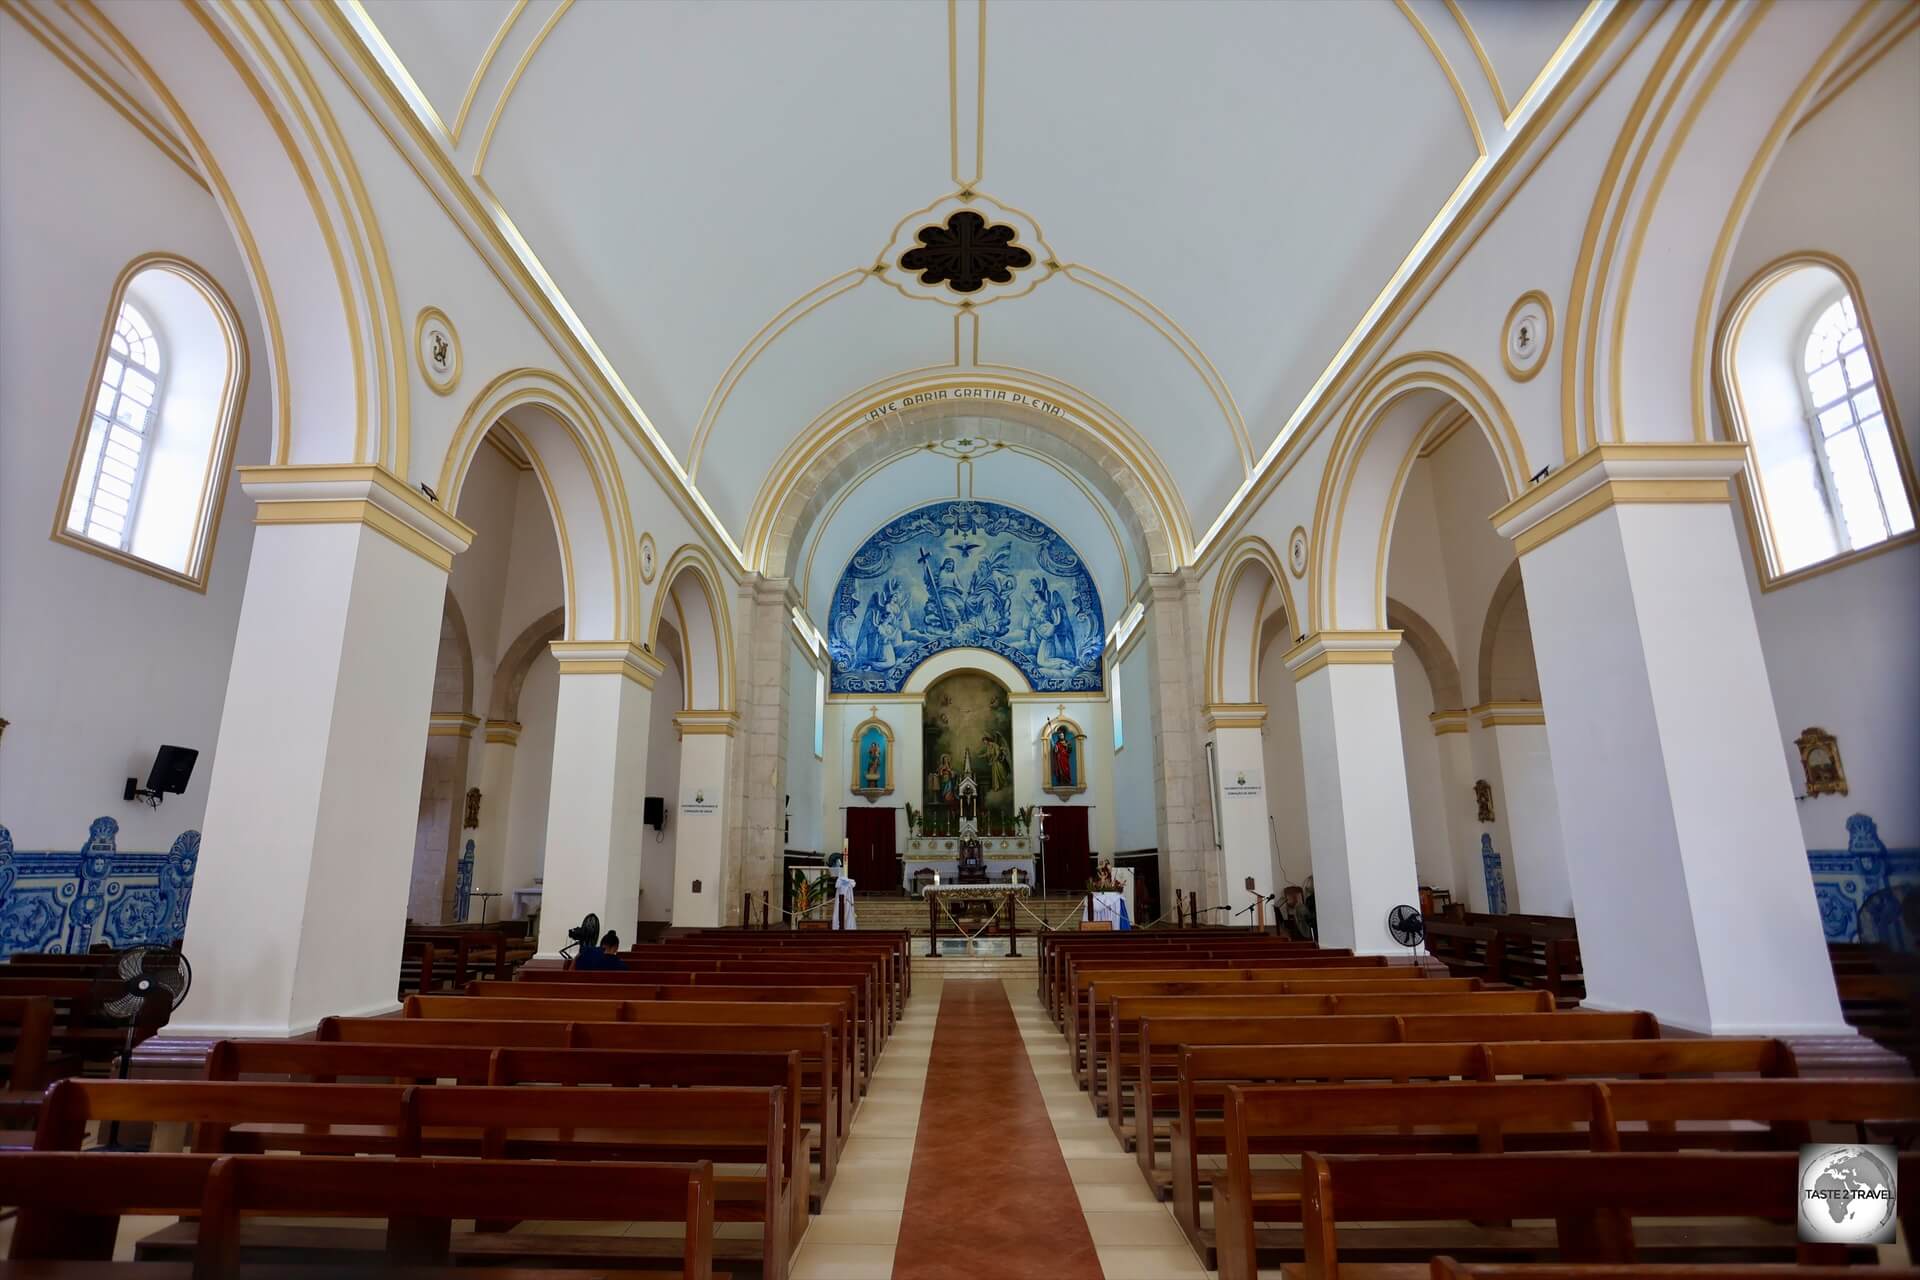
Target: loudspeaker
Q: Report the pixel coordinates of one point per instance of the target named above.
(172, 767)
(655, 813)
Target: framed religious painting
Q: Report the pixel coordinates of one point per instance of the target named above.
(872, 758)
(1063, 765)
(1820, 763)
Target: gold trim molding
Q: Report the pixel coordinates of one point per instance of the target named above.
(1615, 473)
(1235, 715)
(505, 733)
(1451, 720)
(607, 658)
(1493, 714)
(722, 724)
(356, 493)
(452, 724)
(1340, 649)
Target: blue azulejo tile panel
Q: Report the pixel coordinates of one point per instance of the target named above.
(59, 901)
(965, 574)
(1859, 888)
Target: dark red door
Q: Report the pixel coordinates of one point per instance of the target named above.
(1069, 855)
(870, 857)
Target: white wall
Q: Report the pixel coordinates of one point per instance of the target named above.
(1839, 645)
(806, 775)
(1286, 777)
(532, 775)
(1136, 776)
(100, 664)
(657, 861)
(1426, 797)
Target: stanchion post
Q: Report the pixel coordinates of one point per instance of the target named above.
(746, 911)
(764, 926)
(933, 924)
(1193, 907)
(1013, 926)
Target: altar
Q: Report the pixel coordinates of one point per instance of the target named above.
(929, 856)
(960, 905)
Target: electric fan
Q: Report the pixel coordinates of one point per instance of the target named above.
(148, 985)
(586, 935)
(1406, 926)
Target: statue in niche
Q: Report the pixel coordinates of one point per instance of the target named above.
(873, 757)
(1062, 769)
(473, 809)
(1483, 799)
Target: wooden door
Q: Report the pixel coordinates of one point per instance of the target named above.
(870, 854)
(1069, 854)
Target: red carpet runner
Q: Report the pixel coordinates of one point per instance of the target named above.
(989, 1193)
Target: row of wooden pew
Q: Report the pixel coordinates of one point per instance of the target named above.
(1349, 1116)
(710, 1083)
(53, 1020)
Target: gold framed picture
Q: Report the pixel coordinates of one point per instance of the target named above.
(1820, 762)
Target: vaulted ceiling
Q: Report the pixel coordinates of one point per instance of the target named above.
(1182, 211)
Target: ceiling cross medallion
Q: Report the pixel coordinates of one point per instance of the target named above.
(966, 252)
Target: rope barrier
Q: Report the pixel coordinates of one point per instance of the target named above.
(961, 929)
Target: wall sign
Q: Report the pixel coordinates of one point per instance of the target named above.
(700, 802)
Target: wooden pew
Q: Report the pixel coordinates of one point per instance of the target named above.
(1468, 950)
(26, 1031)
(1059, 950)
(1112, 1058)
(752, 972)
(71, 1204)
(1198, 1126)
(875, 962)
(1096, 986)
(730, 1124)
(1592, 1199)
(894, 946)
(864, 1045)
(1257, 953)
(820, 1099)
(1445, 1268)
(1401, 1119)
(756, 1011)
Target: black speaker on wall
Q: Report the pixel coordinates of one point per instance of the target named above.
(655, 813)
(172, 769)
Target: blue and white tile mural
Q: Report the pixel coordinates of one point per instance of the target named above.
(965, 574)
(1849, 883)
(54, 901)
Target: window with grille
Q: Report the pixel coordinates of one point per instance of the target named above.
(125, 405)
(1853, 440)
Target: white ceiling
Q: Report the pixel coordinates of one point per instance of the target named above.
(1224, 188)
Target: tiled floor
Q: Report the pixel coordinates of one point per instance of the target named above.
(858, 1231)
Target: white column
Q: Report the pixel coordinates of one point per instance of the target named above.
(1538, 852)
(300, 900)
(1246, 850)
(500, 741)
(1356, 771)
(1689, 879)
(1463, 832)
(596, 835)
(700, 846)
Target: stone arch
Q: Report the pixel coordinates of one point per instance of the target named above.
(278, 165)
(835, 449)
(580, 475)
(1507, 672)
(453, 674)
(1249, 574)
(1425, 643)
(503, 703)
(693, 591)
(1402, 406)
(1726, 90)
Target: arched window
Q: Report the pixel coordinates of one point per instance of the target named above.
(1829, 478)
(149, 464)
(125, 404)
(1850, 426)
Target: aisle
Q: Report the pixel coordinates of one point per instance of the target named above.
(974, 1155)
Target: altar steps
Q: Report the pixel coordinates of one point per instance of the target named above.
(890, 912)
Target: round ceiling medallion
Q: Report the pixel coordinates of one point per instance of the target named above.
(437, 347)
(1297, 552)
(1528, 335)
(647, 555)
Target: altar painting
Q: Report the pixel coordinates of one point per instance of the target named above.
(965, 574)
(968, 723)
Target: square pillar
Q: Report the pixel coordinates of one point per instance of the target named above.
(1357, 814)
(1246, 846)
(500, 740)
(756, 823)
(700, 847)
(1683, 847)
(1456, 782)
(596, 835)
(1539, 855)
(300, 902)
(1183, 818)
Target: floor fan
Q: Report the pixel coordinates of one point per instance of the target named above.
(148, 985)
(1406, 926)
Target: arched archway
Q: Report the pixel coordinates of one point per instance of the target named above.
(1405, 406)
(1250, 587)
(693, 595)
(1507, 673)
(570, 453)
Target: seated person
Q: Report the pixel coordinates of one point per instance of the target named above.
(604, 956)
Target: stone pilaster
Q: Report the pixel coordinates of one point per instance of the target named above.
(756, 846)
(1183, 819)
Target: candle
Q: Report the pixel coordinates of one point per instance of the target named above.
(936, 879)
